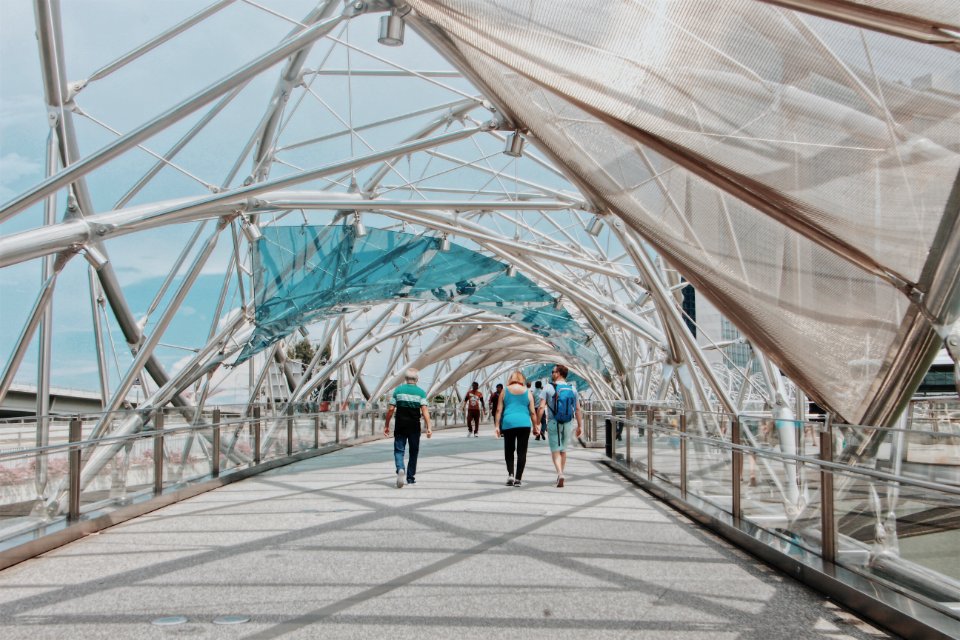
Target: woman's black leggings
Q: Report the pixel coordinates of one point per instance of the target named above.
(516, 440)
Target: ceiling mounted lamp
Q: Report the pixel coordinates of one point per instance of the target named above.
(391, 29)
(444, 243)
(511, 270)
(358, 229)
(595, 226)
(514, 147)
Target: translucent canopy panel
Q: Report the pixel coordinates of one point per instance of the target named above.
(304, 273)
(542, 372)
(798, 171)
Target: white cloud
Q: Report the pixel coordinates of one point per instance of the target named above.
(18, 110)
(14, 166)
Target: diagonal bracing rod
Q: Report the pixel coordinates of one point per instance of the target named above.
(161, 122)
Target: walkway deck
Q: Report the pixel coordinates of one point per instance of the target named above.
(330, 548)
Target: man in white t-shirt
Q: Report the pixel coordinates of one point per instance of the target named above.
(561, 403)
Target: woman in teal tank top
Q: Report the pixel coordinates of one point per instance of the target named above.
(516, 417)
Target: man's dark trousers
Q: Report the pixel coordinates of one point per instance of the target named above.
(401, 437)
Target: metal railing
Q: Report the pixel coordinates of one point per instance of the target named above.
(88, 475)
(882, 503)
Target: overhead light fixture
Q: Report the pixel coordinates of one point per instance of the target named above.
(391, 29)
(514, 147)
(595, 226)
(444, 243)
(511, 270)
(358, 229)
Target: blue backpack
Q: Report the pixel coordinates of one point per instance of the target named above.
(564, 403)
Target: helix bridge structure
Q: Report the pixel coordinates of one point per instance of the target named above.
(228, 228)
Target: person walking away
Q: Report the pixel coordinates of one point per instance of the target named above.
(516, 416)
(541, 420)
(494, 399)
(473, 402)
(409, 403)
(562, 404)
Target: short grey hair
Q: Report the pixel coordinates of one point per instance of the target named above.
(411, 375)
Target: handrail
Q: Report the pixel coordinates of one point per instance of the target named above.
(827, 533)
(172, 478)
(836, 466)
(186, 428)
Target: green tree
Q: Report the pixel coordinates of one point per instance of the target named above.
(302, 351)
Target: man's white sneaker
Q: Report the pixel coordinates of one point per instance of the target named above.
(401, 478)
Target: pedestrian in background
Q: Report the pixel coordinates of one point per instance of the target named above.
(494, 399)
(473, 403)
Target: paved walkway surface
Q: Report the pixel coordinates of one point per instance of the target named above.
(330, 548)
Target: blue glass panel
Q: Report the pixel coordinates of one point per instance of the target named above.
(542, 372)
(305, 273)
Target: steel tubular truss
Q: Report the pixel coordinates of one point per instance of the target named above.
(312, 124)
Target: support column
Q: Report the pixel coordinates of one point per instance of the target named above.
(683, 455)
(215, 448)
(736, 506)
(828, 522)
(76, 435)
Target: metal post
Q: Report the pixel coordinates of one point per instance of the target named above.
(683, 454)
(158, 452)
(289, 435)
(336, 422)
(256, 435)
(316, 431)
(356, 424)
(627, 428)
(736, 506)
(828, 532)
(650, 420)
(76, 429)
(612, 437)
(215, 453)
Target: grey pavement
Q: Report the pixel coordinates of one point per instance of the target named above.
(330, 548)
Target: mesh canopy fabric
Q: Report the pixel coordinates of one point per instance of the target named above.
(305, 273)
(652, 104)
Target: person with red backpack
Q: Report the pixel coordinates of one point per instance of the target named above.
(561, 403)
(473, 403)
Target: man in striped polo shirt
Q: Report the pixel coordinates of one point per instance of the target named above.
(409, 403)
